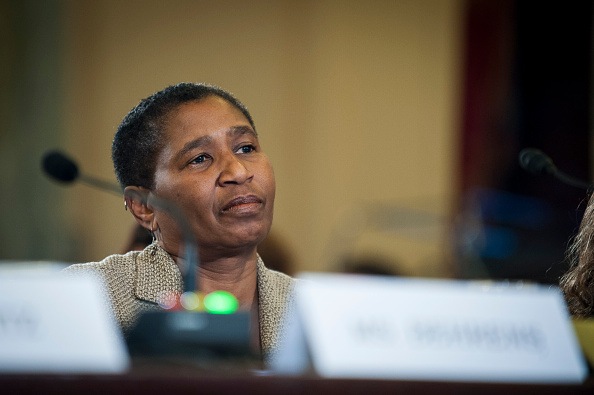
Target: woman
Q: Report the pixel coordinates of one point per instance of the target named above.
(196, 146)
(578, 283)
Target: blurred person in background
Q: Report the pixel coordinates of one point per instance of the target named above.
(577, 283)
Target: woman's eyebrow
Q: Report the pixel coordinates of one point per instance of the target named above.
(204, 140)
(239, 130)
(190, 145)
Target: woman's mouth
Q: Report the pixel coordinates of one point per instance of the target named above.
(242, 204)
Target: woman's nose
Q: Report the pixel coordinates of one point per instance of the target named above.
(233, 171)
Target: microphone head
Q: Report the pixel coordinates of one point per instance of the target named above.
(537, 162)
(59, 166)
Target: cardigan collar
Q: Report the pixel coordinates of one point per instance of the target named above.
(157, 273)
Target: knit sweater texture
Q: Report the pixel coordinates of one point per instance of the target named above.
(135, 281)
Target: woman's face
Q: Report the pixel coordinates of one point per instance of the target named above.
(213, 168)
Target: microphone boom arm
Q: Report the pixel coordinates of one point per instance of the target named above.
(192, 260)
(101, 184)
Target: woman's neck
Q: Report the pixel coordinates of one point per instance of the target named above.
(236, 274)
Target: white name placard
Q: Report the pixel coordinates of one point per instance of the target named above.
(53, 323)
(353, 326)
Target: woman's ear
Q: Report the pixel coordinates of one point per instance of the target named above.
(136, 201)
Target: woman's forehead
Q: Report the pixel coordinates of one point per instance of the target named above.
(197, 124)
(204, 117)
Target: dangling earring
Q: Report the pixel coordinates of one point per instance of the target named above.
(154, 243)
(153, 232)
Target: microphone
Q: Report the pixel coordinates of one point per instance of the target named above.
(537, 162)
(63, 169)
(170, 332)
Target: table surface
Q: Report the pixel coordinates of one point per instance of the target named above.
(180, 379)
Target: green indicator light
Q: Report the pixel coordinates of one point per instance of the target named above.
(220, 302)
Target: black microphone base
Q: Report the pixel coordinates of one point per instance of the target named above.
(190, 336)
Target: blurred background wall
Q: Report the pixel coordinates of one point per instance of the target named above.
(369, 111)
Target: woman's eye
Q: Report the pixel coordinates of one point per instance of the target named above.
(199, 159)
(246, 149)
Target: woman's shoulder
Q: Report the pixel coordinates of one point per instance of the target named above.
(273, 277)
(116, 262)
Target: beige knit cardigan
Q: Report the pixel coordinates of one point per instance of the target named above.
(135, 280)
